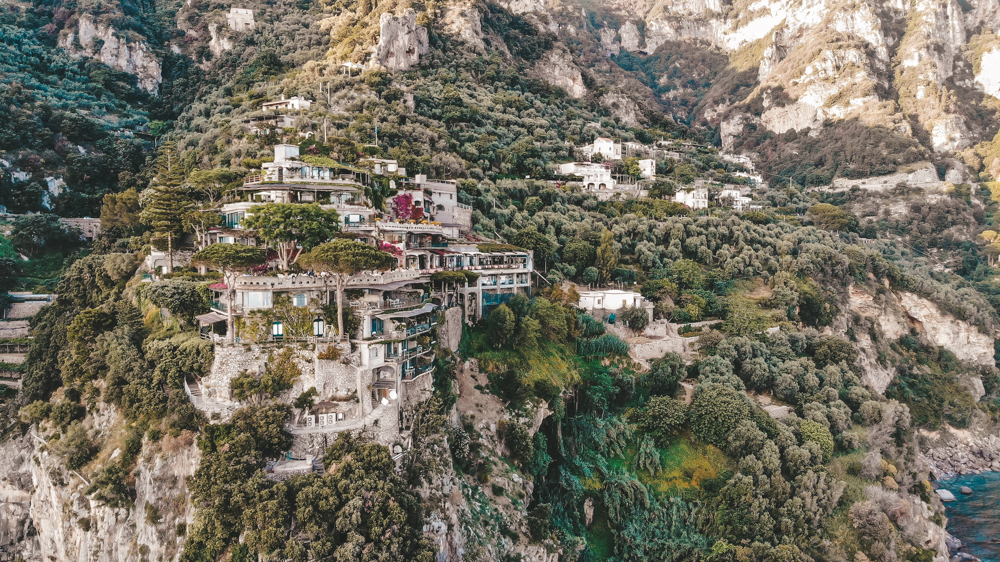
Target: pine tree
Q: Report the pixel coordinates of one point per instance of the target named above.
(170, 198)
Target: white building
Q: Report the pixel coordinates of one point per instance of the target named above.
(298, 103)
(647, 168)
(607, 148)
(595, 176)
(609, 299)
(241, 19)
(439, 200)
(694, 198)
(734, 198)
(383, 166)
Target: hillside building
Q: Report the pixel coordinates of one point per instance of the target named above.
(294, 103)
(241, 19)
(693, 198)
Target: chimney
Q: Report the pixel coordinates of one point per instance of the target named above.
(282, 97)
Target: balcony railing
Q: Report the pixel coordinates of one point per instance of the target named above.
(420, 328)
(221, 306)
(382, 305)
(415, 372)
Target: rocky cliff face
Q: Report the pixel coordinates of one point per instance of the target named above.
(47, 514)
(103, 43)
(920, 67)
(895, 314)
(401, 41)
(557, 68)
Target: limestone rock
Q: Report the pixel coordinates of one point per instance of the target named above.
(631, 38)
(989, 74)
(622, 107)
(557, 68)
(401, 41)
(130, 56)
(610, 46)
(966, 490)
(218, 44)
(523, 6)
(463, 21)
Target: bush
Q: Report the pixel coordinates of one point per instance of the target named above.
(76, 446)
(819, 434)
(716, 410)
(517, 438)
(662, 418)
(634, 317)
(664, 374)
(608, 344)
(501, 325)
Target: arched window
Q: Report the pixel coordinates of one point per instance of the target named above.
(300, 299)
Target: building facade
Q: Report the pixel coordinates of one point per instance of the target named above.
(693, 198)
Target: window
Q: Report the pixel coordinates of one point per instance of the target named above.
(227, 240)
(300, 300)
(258, 299)
(373, 352)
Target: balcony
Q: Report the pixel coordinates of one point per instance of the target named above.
(420, 329)
(385, 305)
(415, 372)
(222, 306)
(408, 354)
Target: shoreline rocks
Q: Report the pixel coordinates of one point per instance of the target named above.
(974, 455)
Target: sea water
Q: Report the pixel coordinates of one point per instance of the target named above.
(975, 519)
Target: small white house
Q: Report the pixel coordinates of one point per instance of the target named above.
(595, 176)
(241, 19)
(285, 152)
(609, 299)
(647, 168)
(297, 103)
(608, 148)
(735, 199)
(694, 198)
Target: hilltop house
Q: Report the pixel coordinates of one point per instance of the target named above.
(241, 19)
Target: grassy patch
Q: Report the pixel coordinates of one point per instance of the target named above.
(546, 361)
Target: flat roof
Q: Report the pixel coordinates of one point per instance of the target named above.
(302, 186)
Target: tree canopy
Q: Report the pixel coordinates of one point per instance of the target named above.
(287, 227)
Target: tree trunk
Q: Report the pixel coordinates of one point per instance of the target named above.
(340, 308)
(230, 324)
(170, 252)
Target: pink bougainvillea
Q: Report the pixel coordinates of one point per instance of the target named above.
(390, 248)
(402, 206)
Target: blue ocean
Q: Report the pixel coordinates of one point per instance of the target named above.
(975, 519)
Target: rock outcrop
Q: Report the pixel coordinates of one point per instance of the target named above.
(833, 61)
(953, 451)
(401, 41)
(896, 314)
(557, 68)
(463, 21)
(48, 514)
(102, 42)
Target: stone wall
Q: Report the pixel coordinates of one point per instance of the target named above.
(450, 331)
